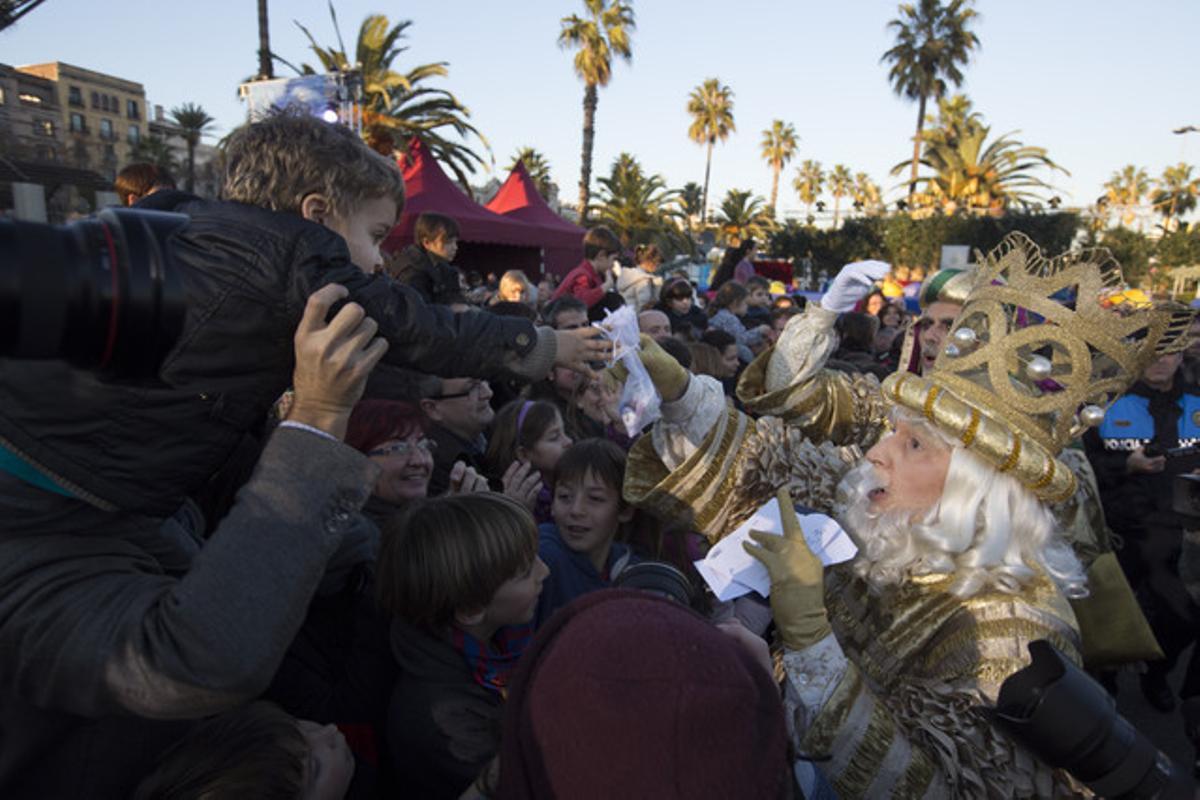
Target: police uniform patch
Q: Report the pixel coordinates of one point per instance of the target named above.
(1196, 417)
(1125, 423)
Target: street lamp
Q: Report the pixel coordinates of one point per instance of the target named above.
(1186, 129)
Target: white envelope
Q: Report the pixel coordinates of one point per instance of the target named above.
(731, 572)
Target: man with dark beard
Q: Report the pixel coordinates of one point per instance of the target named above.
(893, 658)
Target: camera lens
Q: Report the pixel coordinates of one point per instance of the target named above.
(98, 293)
(659, 578)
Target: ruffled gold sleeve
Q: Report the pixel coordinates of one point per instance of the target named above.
(790, 381)
(733, 471)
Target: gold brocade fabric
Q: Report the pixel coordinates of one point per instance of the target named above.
(906, 720)
(830, 406)
(735, 470)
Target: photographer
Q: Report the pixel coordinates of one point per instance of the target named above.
(1135, 470)
(106, 614)
(114, 611)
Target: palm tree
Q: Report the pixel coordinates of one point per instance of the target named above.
(639, 207)
(396, 103)
(867, 197)
(1125, 190)
(1175, 194)
(932, 40)
(691, 199)
(154, 150)
(744, 216)
(599, 35)
(266, 69)
(193, 122)
(810, 180)
(537, 167)
(711, 107)
(841, 183)
(779, 144)
(967, 172)
(13, 10)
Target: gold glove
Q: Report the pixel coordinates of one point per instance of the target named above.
(797, 580)
(617, 373)
(668, 375)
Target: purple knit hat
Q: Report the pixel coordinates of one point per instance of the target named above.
(625, 694)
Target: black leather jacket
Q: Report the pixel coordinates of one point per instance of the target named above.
(246, 273)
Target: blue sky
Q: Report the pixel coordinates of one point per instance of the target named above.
(1098, 83)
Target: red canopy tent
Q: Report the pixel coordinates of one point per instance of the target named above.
(488, 242)
(519, 199)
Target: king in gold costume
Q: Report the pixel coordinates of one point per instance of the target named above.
(893, 659)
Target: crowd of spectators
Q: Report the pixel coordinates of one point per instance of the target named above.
(337, 546)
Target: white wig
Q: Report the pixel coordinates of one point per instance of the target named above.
(987, 530)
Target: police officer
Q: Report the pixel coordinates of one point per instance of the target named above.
(1131, 455)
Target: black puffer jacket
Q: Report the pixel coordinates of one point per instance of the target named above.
(247, 274)
(436, 280)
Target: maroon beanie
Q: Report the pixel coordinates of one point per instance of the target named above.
(625, 694)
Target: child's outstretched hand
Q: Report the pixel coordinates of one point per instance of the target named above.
(581, 348)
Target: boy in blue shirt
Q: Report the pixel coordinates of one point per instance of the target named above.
(588, 512)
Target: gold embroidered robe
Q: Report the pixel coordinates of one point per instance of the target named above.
(903, 715)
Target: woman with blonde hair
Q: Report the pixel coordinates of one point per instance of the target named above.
(515, 287)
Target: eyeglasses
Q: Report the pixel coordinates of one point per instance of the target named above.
(403, 448)
(472, 390)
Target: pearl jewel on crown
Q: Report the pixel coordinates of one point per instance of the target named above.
(965, 337)
(1091, 416)
(1039, 368)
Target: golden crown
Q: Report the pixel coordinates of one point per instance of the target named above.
(1024, 372)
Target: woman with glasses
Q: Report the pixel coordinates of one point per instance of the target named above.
(392, 435)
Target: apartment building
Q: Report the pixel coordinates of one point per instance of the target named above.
(30, 117)
(101, 116)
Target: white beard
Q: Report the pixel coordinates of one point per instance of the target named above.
(892, 545)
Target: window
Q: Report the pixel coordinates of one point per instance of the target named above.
(78, 125)
(106, 130)
(31, 99)
(95, 99)
(2, 100)
(131, 109)
(135, 135)
(44, 127)
(114, 105)
(75, 96)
